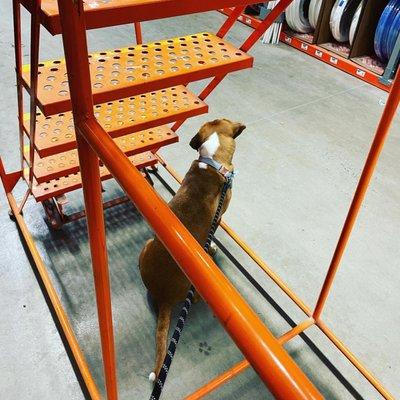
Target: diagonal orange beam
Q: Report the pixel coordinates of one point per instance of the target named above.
(382, 133)
(241, 366)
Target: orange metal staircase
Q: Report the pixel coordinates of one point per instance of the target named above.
(120, 100)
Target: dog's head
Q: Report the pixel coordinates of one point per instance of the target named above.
(217, 137)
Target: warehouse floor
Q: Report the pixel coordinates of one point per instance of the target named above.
(309, 128)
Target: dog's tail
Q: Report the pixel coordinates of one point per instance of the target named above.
(163, 322)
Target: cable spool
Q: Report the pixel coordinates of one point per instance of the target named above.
(315, 8)
(354, 23)
(297, 16)
(387, 30)
(341, 17)
(393, 34)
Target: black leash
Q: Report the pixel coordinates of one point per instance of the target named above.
(162, 376)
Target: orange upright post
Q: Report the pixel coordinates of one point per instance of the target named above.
(75, 48)
(138, 33)
(34, 61)
(362, 187)
(18, 71)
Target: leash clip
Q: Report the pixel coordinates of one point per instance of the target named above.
(229, 178)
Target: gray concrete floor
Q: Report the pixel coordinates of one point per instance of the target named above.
(309, 127)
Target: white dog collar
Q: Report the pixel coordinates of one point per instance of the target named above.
(225, 172)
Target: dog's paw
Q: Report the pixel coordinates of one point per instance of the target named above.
(205, 348)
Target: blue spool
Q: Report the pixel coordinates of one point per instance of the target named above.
(393, 34)
(387, 30)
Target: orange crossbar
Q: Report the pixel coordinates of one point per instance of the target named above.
(244, 364)
(275, 367)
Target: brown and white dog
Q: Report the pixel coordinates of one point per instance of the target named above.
(195, 205)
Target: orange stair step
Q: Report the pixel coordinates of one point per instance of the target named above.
(62, 164)
(56, 134)
(102, 13)
(127, 72)
(65, 184)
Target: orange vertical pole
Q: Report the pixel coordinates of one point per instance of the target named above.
(75, 48)
(18, 73)
(89, 165)
(34, 68)
(138, 33)
(35, 35)
(362, 187)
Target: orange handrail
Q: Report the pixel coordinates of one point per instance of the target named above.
(276, 368)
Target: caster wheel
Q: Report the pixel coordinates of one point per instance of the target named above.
(213, 250)
(11, 215)
(148, 177)
(54, 224)
(53, 219)
(153, 169)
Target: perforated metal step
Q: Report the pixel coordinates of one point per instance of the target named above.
(56, 134)
(144, 68)
(102, 13)
(62, 164)
(65, 184)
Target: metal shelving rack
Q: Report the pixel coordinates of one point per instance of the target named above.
(321, 54)
(77, 95)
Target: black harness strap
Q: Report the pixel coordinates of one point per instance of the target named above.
(162, 377)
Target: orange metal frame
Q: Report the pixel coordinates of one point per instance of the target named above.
(261, 350)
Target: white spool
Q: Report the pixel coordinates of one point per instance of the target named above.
(296, 17)
(341, 17)
(313, 13)
(354, 23)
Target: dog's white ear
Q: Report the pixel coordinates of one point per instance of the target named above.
(238, 128)
(196, 142)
